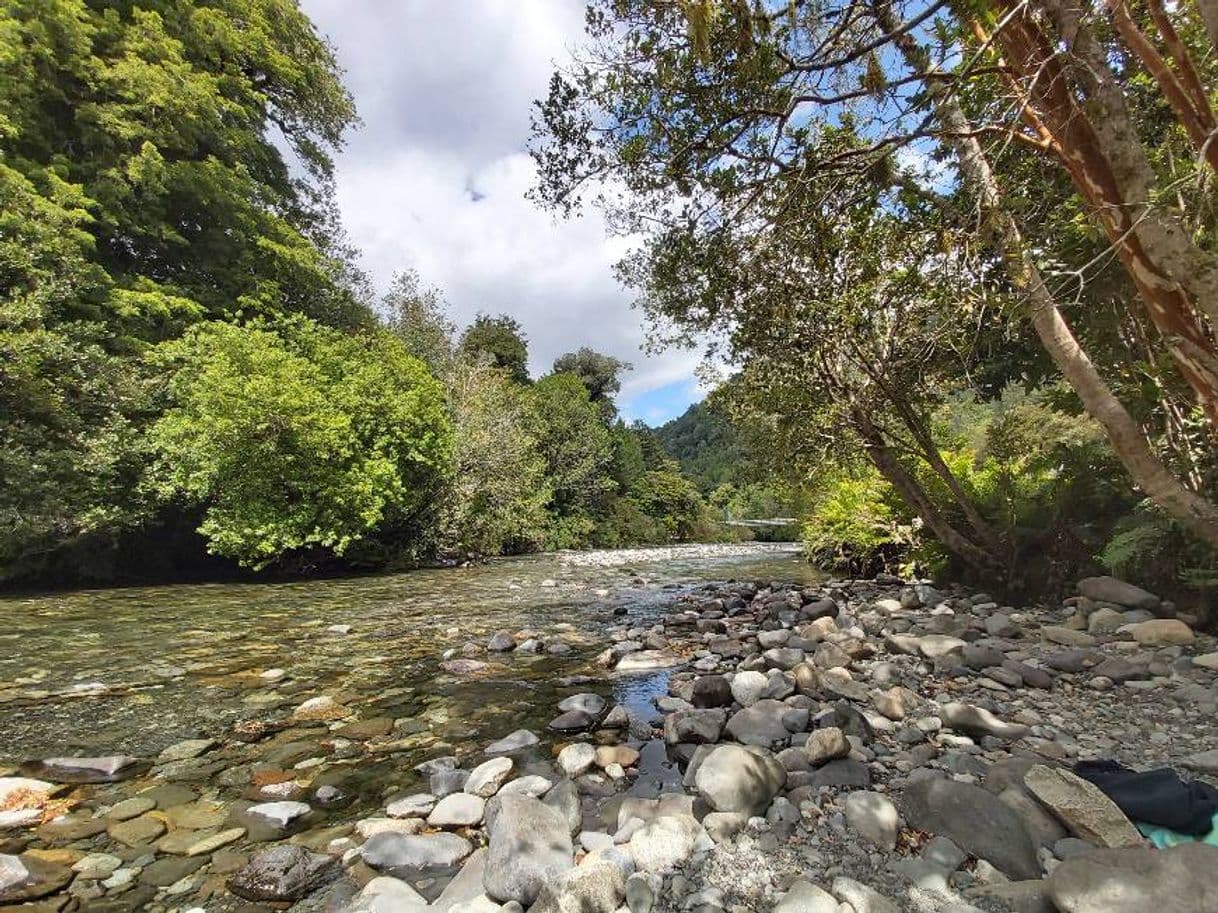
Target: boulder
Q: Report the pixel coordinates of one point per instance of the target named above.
(826, 745)
(975, 820)
(387, 895)
(736, 779)
(596, 886)
(874, 817)
(486, 779)
(414, 855)
(747, 687)
(761, 724)
(664, 844)
(576, 759)
(711, 691)
(283, 873)
(1141, 880)
(501, 642)
(1110, 589)
(1163, 632)
(1081, 806)
(530, 844)
(694, 726)
(457, 810)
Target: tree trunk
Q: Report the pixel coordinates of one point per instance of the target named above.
(1209, 17)
(1103, 155)
(915, 496)
(1148, 472)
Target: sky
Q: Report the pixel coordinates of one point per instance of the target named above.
(435, 178)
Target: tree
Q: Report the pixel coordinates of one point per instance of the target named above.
(721, 114)
(578, 451)
(142, 189)
(417, 315)
(294, 437)
(599, 373)
(501, 340)
(496, 499)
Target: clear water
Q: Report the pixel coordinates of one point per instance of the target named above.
(135, 670)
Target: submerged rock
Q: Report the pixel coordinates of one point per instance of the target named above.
(283, 873)
(106, 769)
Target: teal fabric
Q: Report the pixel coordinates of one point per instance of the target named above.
(1164, 838)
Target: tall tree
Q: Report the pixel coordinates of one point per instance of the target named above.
(716, 114)
(144, 187)
(599, 373)
(501, 341)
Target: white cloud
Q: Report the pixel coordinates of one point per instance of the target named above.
(435, 179)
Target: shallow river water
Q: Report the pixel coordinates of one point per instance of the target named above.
(135, 670)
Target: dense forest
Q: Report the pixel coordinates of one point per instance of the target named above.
(960, 260)
(194, 376)
(962, 254)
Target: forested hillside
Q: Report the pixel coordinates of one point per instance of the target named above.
(193, 374)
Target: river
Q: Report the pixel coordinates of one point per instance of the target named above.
(136, 670)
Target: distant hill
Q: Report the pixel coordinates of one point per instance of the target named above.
(706, 445)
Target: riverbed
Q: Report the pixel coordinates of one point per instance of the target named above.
(136, 670)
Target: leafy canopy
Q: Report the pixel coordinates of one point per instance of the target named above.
(291, 435)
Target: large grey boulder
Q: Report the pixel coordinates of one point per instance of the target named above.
(1138, 880)
(1110, 589)
(976, 820)
(761, 724)
(695, 726)
(736, 779)
(283, 873)
(414, 855)
(597, 886)
(1081, 806)
(530, 844)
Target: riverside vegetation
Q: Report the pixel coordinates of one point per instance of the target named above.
(195, 377)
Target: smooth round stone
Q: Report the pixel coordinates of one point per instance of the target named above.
(97, 866)
(485, 779)
(137, 831)
(591, 704)
(416, 806)
(130, 808)
(198, 815)
(533, 785)
(576, 759)
(457, 810)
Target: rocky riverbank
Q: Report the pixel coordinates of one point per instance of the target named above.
(856, 747)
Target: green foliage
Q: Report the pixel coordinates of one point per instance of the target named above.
(496, 499)
(142, 189)
(293, 436)
(599, 373)
(578, 451)
(673, 499)
(706, 444)
(501, 341)
(858, 523)
(417, 315)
